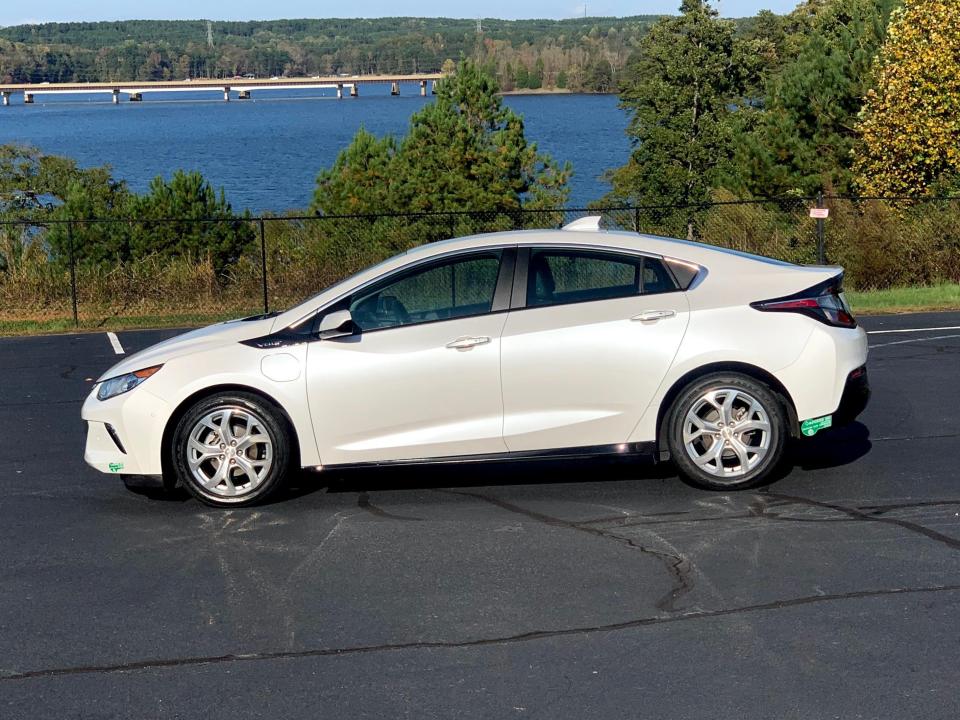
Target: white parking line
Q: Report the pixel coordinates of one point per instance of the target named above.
(910, 330)
(115, 341)
(913, 340)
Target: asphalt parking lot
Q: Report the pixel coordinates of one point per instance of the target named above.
(576, 590)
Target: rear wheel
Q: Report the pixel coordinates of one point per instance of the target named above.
(727, 432)
(231, 449)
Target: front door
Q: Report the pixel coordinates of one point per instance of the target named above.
(422, 377)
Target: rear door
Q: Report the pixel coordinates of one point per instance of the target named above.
(590, 336)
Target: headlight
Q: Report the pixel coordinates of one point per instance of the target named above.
(124, 383)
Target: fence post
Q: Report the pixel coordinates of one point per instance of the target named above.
(821, 244)
(73, 273)
(263, 266)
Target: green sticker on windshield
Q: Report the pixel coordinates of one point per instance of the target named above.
(814, 425)
(115, 467)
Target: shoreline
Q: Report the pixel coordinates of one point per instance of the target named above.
(549, 91)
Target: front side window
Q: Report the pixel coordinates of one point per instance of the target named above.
(443, 291)
(569, 276)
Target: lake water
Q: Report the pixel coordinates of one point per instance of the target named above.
(266, 152)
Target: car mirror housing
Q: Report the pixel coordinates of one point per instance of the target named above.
(336, 324)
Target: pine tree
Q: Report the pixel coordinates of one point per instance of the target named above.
(360, 179)
(465, 151)
(805, 133)
(681, 88)
(910, 124)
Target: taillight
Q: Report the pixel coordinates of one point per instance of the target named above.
(824, 302)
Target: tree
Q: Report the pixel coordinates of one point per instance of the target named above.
(193, 202)
(61, 190)
(360, 180)
(465, 151)
(600, 76)
(680, 86)
(805, 132)
(910, 124)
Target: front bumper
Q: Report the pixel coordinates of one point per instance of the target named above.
(105, 454)
(856, 395)
(137, 419)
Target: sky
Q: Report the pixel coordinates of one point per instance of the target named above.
(17, 13)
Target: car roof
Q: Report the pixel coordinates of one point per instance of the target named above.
(687, 250)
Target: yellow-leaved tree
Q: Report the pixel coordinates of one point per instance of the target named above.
(910, 123)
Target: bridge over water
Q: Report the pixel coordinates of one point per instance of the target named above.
(244, 87)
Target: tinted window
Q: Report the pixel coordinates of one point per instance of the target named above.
(562, 276)
(684, 272)
(656, 278)
(457, 288)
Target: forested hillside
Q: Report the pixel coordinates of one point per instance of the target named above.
(579, 54)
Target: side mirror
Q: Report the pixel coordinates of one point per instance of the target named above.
(336, 324)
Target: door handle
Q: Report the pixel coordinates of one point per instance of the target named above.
(467, 342)
(654, 315)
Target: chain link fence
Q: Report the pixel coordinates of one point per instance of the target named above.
(80, 272)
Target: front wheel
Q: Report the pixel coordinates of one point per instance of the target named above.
(231, 449)
(727, 432)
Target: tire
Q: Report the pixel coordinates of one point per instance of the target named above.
(744, 415)
(241, 465)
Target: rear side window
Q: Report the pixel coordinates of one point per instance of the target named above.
(557, 277)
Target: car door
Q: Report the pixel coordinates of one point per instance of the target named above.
(421, 377)
(590, 337)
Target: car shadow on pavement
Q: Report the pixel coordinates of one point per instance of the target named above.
(487, 474)
(838, 447)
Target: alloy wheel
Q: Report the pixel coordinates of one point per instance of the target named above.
(727, 433)
(229, 451)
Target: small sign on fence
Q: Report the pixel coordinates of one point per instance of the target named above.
(820, 213)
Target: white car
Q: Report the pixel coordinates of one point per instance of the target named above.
(542, 343)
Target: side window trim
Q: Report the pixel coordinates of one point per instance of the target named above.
(506, 279)
(518, 298)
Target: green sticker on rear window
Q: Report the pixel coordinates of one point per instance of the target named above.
(115, 467)
(814, 425)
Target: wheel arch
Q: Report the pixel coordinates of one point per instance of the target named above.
(169, 477)
(757, 373)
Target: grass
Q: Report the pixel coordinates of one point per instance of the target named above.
(906, 299)
(871, 302)
(44, 326)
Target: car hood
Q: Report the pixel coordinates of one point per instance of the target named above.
(205, 338)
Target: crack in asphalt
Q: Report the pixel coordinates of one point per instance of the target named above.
(890, 438)
(677, 564)
(615, 518)
(880, 509)
(951, 542)
(730, 518)
(6, 676)
(761, 509)
(363, 502)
